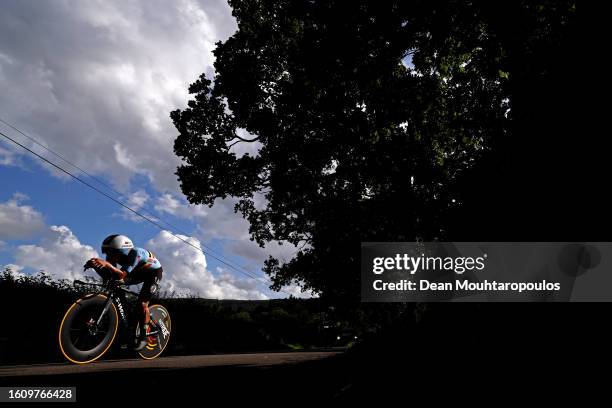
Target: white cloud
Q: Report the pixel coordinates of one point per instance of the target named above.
(96, 80)
(136, 201)
(251, 251)
(186, 272)
(15, 269)
(60, 253)
(9, 158)
(193, 276)
(217, 222)
(169, 204)
(296, 291)
(240, 288)
(221, 222)
(19, 221)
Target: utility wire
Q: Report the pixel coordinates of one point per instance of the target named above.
(128, 208)
(142, 207)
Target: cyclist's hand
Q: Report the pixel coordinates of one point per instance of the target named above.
(97, 264)
(100, 263)
(89, 264)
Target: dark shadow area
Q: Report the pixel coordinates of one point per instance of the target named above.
(284, 384)
(200, 326)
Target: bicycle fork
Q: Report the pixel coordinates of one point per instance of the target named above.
(111, 298)
(107, 306)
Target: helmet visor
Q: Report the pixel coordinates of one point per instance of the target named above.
(111, 251)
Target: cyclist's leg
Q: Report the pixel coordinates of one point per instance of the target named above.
(149, 286)
(134, 278)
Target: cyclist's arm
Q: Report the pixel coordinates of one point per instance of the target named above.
(132, 261)
(102, 263)
(118, 272)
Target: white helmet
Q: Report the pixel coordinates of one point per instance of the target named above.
(117, 244)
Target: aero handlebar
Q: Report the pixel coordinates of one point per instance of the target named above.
(80, 282)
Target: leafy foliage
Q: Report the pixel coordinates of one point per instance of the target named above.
(369, 119)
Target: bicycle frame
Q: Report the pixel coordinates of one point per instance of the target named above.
(116, 295)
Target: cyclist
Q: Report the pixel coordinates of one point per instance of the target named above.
(137, 265)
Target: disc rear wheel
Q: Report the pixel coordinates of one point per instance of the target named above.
(160, 320)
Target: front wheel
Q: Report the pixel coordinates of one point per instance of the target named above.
(81, 339)
(160, 322)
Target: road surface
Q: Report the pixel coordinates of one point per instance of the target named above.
(166, 363)
(229, 379)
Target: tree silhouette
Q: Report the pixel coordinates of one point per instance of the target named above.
(370, 121)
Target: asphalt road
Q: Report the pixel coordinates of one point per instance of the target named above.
(166, 363)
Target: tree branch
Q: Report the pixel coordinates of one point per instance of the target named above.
(231, 145)
(246, 140)
(241, 139)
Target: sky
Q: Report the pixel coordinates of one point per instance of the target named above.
(95, 81)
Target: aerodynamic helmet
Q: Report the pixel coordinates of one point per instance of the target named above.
(114, 244)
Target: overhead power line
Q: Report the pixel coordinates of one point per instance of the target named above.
(148, 219)
(102, 182)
